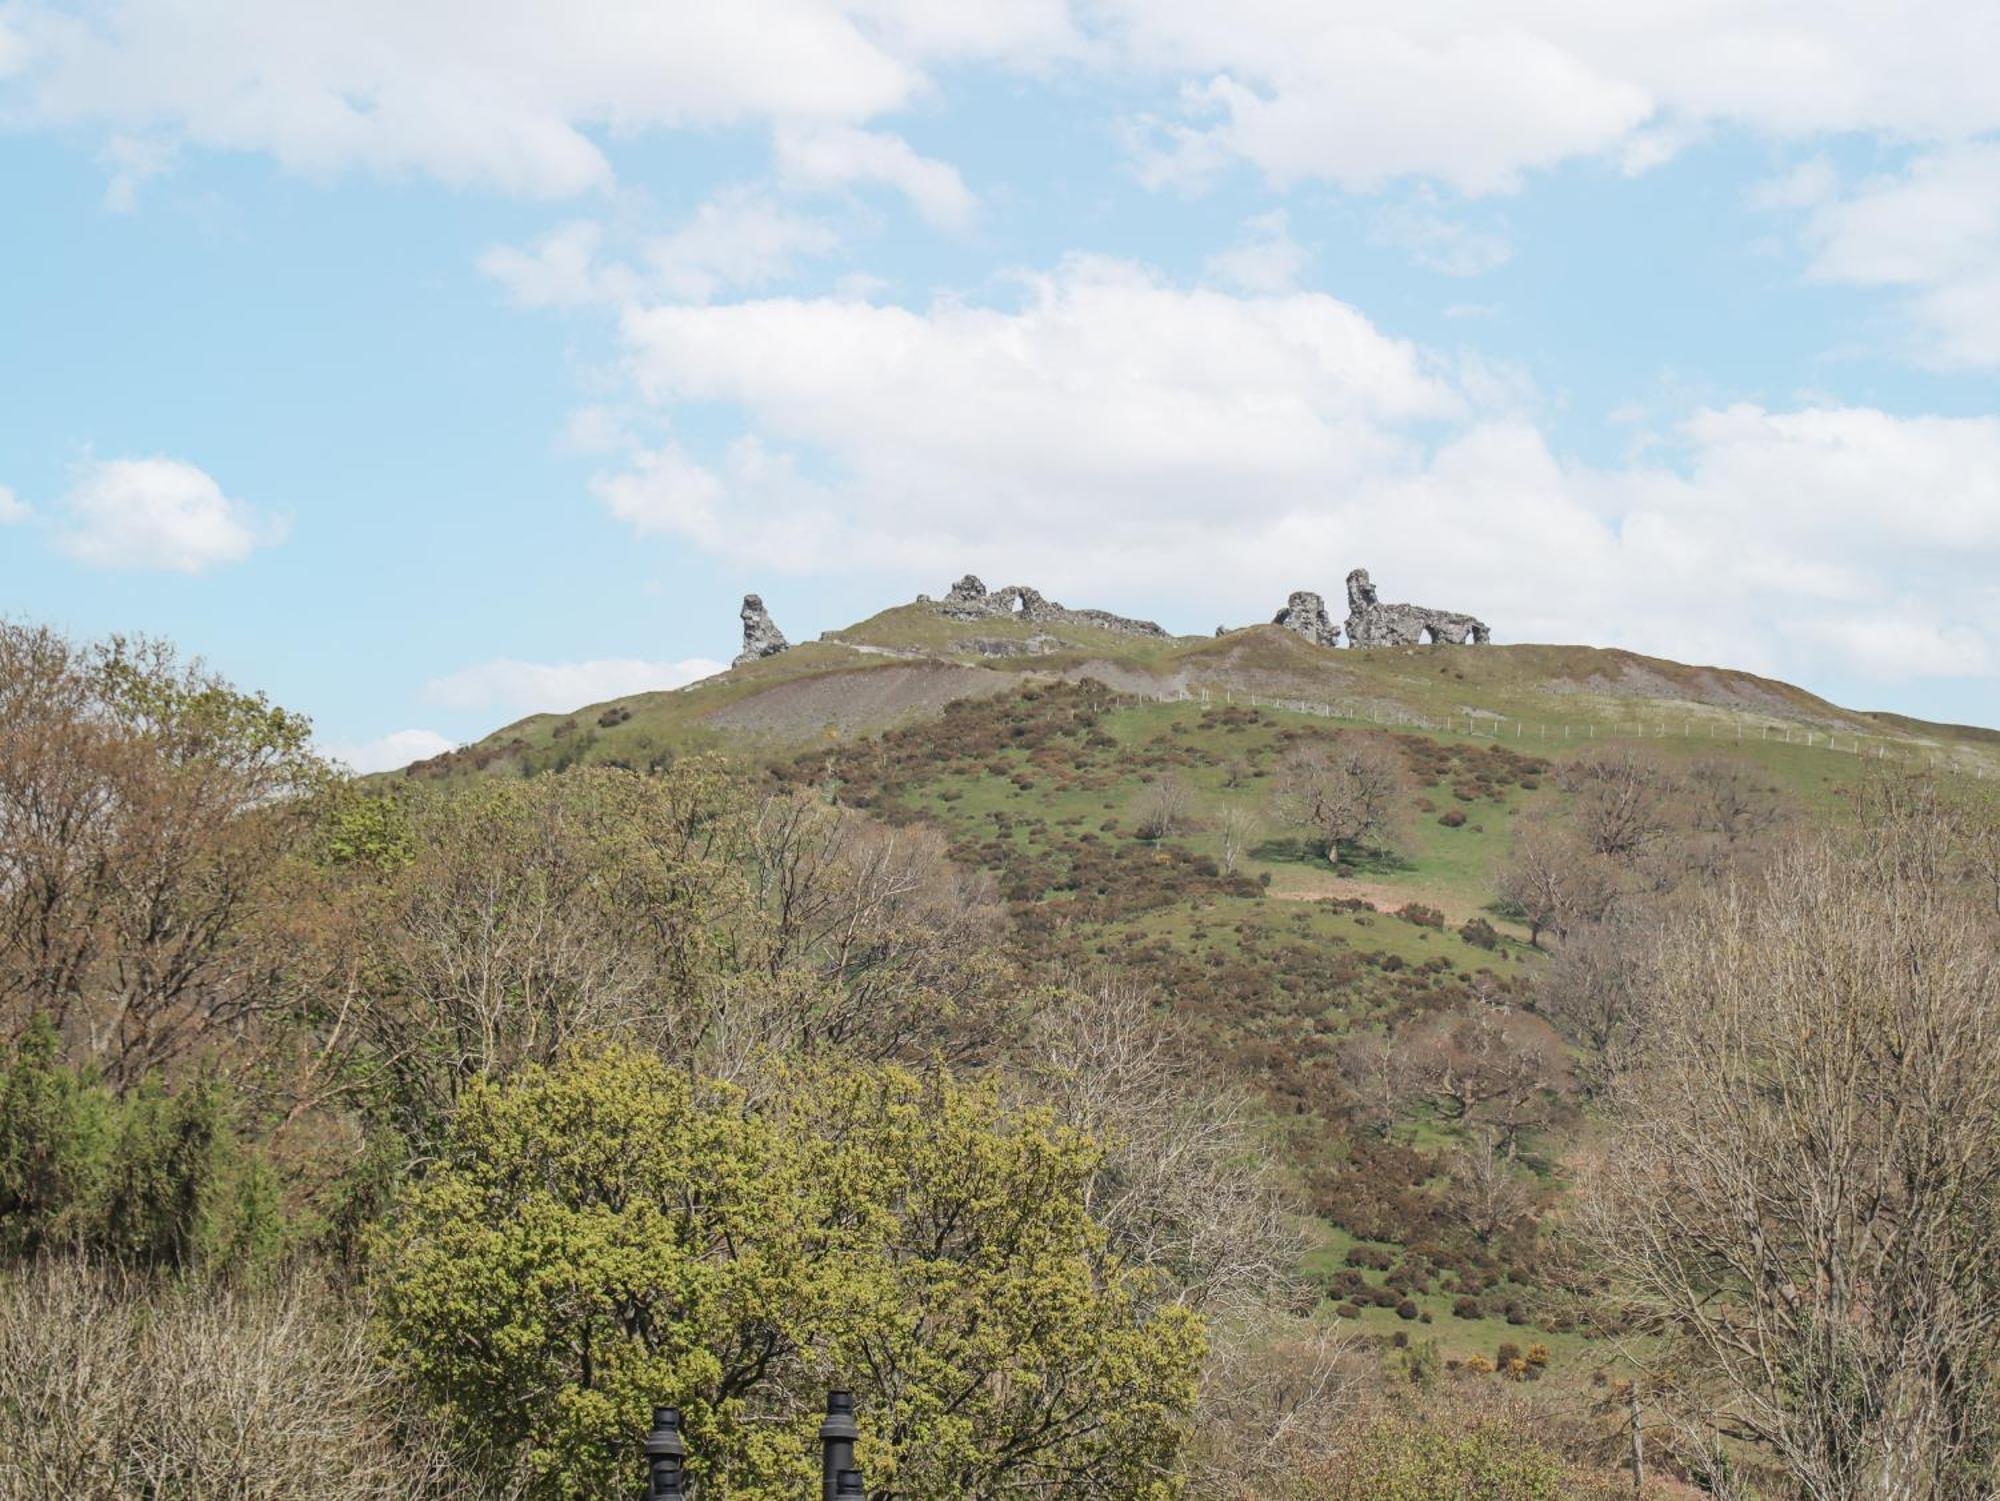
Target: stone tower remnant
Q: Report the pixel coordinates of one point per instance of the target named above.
(1305, 612)
(761, 638)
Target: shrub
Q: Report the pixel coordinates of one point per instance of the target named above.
(1347, 1310)
(609, 1234)
(1422, 916)
(1507, 1353)
(1406, 1309)
(1444, 1457)
(1537, 1355)
(150, 1179)
(113, 1386)
(1452, 818)
(1465, 1308)
(1480, 933)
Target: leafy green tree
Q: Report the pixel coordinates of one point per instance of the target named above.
(608, 1234)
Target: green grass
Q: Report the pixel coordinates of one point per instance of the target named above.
(1531, 694)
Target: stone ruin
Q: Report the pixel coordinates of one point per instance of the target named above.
(1372, 623)
(761, 638)
(969, 599)
(1305, 612)
(1369, 622)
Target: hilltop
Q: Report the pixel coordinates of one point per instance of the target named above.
(907, 663)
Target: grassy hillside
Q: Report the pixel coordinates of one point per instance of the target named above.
(905, 664)
(1035, 750)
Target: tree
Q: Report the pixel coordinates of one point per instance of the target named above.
(1483, 1191)
(145, 807)
(1802, 1183)
(1620, 801)
(1731, 802)
(1490, 1068)
(896, 939)
(1552, 882)
(1383, 1077)
(1594, 992)
(1163, 808)
(1348, 794)
(1185, 1186)
(608, 1234)
(1235, 827)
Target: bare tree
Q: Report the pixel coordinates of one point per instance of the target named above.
(1236, 828)
(1802, 1182)
(1732, 801)
(1382, 1075)
(1490, 1068)
(1554, 882)
(1484, 1190)
(1348, 794)
(1163, 808)
(1187, 1186)
(1594, 992)
(1621, 801)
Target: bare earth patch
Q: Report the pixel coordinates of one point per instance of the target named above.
(870, 698)
(1380, 895)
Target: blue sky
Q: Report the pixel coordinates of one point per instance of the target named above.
(427, 364)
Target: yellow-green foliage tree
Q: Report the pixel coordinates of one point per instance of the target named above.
(608, 1233)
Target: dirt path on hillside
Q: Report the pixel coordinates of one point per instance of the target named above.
(1386, 898)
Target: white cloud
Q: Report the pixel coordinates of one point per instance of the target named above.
(828, 157)
(13, 509)
(1366, 102)
(1438, 239)
(739, 238)
(1472, 95)
(521, 96)
(157, 513)
(392, 751)
(559, 269)
(1266, 259)
(1117, 439)
(509, 94)
(558, 686)
(1889, 651)
(1930, 231)
(132, 162)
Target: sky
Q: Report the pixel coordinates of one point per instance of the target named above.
(428, 363)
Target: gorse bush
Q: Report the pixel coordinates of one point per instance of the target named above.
(149, 1179)
(608, 1234)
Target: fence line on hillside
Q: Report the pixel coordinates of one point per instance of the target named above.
(1550, 733)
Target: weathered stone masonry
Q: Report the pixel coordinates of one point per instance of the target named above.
(761, 638)
(1372, 623)
(970, 600)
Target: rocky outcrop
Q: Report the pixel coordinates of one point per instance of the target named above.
(761, 638)
(1305, 612)
(1372, 623)
(969, 599)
